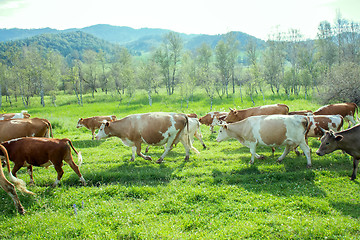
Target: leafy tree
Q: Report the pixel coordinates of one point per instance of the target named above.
(148, 75)
(205, 72)
(168, 57)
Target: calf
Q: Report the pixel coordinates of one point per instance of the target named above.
(271, 130)
(93, 123)
(22, 114)
(238, 115)
(149, 128)
(346, 140)
(16, 128)
(42, 152)
(8, 187)
(346, 110)
(209, 118)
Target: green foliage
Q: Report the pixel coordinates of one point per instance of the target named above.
(214, 195)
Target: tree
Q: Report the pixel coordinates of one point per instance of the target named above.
(168, 56)
(205, 72)
(187, 77)
(90, 70)
(148, 75)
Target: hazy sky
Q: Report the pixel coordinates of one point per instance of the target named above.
(255, 17)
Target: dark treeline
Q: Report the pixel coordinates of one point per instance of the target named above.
(78, 63)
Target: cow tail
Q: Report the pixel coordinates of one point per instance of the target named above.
(188, 132)
(357, 114)
(19, 184)
(80, 160)
(309, 123)
(50, 130)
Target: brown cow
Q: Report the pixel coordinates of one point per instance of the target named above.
(42, 152)
(22, 114)
(238, 115)
(8, 187)
(346, 140)
(300, 112)
(346, 110)
(16, 128)
(154, 128)
(93, 123)
(208, 119)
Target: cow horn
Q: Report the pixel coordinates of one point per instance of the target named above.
(323, 130)
(231, 109)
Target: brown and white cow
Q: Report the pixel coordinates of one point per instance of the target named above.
(269, 130)
(22, 114)
(150, 128)
(8, 187)
(42, 152)
(194, 131)
(346, 140)
(28, 127)
(238, 115)
(324, 122)
(346, 110)
(208, 119)
(93, 123)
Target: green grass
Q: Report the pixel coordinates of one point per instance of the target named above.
(214, 195)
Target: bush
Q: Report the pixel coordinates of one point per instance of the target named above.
(342, 84)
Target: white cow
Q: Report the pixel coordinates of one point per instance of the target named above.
(269, 130)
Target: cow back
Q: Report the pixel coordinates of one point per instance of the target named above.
(17, 128)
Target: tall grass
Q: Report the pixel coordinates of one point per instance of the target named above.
(214, 195)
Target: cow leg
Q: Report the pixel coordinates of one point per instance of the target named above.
(15, 169)
(199, 137)
(306, 150)
(60, 172)
(10, 189)
(138, 152)
(286, 151)
(355, 167)
(253, 153)
(93, 134)
(147, 149)
(75, 167)
(187, 148)
(30, 172)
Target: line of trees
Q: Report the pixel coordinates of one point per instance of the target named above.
(288, 64)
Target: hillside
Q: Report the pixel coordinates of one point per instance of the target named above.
(136, 40)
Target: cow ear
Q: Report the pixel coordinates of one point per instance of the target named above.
(339, 138)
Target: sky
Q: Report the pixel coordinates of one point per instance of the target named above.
(259, 18)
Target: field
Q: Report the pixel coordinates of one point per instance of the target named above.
(214, 195)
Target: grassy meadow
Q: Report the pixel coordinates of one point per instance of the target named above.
(214, 195)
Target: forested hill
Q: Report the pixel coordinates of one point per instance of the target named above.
(136, 40)
(71, 43)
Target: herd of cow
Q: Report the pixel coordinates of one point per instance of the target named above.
(29, 141)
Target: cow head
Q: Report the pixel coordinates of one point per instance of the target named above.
(223, 135)
(103, 131)
(329, 143)
(80, 123)
(231, 117)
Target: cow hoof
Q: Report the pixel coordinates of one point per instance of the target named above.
(159, 161)
(186, 158)
(131, 159)
(308, 166)
(262, 157)
(148, 158)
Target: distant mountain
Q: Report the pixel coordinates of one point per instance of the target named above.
(136, 40)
